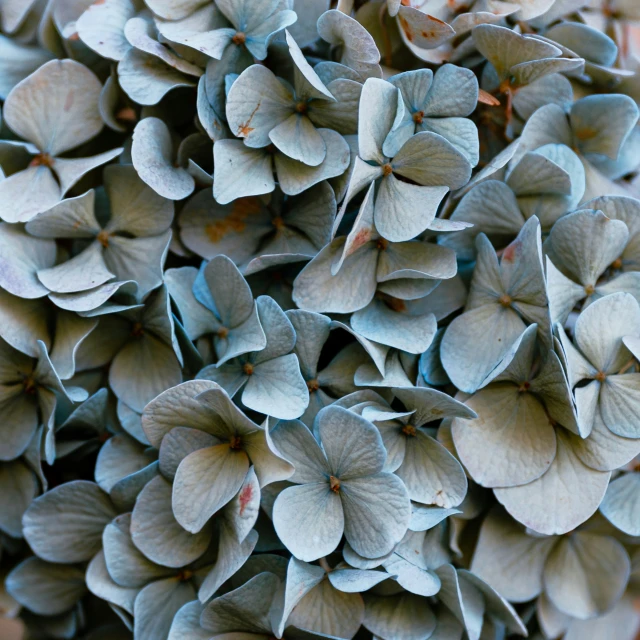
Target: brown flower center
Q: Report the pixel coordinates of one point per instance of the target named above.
(505, 300)
(137, 331)
(248, 369)
(382, 244)
(525, 386)
(239, 38)
(185, 575)
(29, 384)
(589, 289)
(418, 116)
(42, 160)
(334, 483)
(278, 223)
(601, 376)
(313, 385)
(302, 107)
(387, 169)
(617, 264)
(235, 443)
(409, 430)
(222, 332)
(103, 238)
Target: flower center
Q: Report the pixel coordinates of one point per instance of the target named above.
(248, 369)
(103, 238)
(239, 38)
(42, 160)
(418, 116)
(235, 443)
(137, 331)
(222, 332)
(617, 264)
(302, 107)
(387, 169)
(278, 223)
(409, 430)
(505, 300)
(601, 376)
(525, 386)
(334, 483)
(313, 385)
(185, 575)
(382, 244)
(589, 289)
(29, 384)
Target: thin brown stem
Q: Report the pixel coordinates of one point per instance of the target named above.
(325, 565)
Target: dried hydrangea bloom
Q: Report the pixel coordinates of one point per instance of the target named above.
(414, 178)
(262, 110)
(54, 110)
(560, 567)
(216, 28)
(504, 296)
(237, 442)
(241, 171)
(217, 302)
(348, 274)
(469, 226)
(598, 128)
(605, 366)
(270, 377)
(500, 209)
(336, 486)
(132, 245)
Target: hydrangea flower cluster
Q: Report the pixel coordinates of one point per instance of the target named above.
(319, 319)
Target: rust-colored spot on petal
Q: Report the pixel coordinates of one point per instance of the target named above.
(509, 254)
(586, 133)
(436, 20)
(245, 497)
(486, 98)
(334, 483)
(68, 103)
(406, 27)
(361, 238)
(244, 129)
(241, 209)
